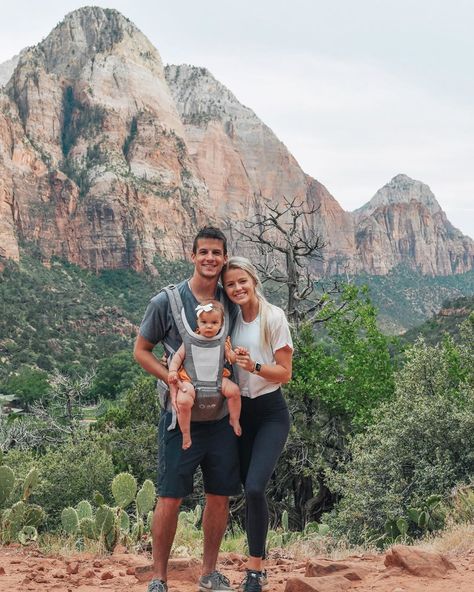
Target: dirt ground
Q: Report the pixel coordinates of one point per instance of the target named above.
(28, 569)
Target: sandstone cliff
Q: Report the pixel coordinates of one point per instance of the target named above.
(403, 223)
(7, 68)
(107, 159)
(246, 166)
(115, 185)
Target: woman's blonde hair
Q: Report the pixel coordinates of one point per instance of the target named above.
(264, 305)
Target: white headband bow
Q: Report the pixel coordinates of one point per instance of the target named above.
(200, 308)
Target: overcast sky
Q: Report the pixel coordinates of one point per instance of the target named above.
(359, 90)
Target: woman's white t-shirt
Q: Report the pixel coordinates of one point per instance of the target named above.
(248, 335)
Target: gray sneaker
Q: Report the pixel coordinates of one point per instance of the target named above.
(262, 580)
(157, 586)
(216, 582)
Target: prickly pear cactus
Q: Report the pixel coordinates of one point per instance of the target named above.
(112, 538)
(84, 510)
(104, 520)
(138, 530)
(149, 521)
(29, 483)
(98, 499)
(7, 483)
(124, 489)
(70, 520)
(146, 498)
(12, 522)
(285, 521)
(87, 528)
(34, 515)
(27, 534)
(124, 521)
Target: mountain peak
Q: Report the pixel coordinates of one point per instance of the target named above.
(79, 37)
(402, 189)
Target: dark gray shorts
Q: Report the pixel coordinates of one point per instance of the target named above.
(214, 448)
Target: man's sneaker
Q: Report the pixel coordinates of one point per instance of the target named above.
(254, 581)
(216, 582)
(157, 586)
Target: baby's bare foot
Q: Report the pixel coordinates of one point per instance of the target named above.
(186, 441)
(236, 425)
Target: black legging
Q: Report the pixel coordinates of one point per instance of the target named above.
(265, 425)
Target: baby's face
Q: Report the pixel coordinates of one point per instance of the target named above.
(209, 323)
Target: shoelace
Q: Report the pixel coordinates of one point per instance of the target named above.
(220, 577)
(157, 586)
(253, 582)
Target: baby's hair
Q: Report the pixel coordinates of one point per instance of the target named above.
(216, 305)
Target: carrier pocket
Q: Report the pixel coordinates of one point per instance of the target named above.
(208, 405)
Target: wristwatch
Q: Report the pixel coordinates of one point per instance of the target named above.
(257, 368)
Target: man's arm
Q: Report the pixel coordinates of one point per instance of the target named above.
(144, 355)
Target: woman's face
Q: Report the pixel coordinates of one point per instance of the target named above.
(239, 286)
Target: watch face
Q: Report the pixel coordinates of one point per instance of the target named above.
(258, 367)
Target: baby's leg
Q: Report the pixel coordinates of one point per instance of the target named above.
(184, 403)
(232, 393)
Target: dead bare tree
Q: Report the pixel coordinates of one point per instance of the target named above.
(289, 248)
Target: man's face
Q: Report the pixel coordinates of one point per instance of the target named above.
(209, 258)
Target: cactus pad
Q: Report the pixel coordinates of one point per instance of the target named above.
(84, 510)
(34, 515)
(124, 521)
(7, 482)
(70, 520)
(104, 520)
(124, 489)
(29, 483)
(27, 535)
(87, 527)
(98, 498)
(146, 498)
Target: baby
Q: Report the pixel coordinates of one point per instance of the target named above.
(210, 318)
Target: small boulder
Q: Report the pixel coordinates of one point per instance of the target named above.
(72, 567)
(417, 562)
(334, 583)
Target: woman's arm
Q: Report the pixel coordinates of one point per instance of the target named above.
(280, 372)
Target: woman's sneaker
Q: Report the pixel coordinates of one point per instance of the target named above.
(254, 581)
(215, 582)
(157, 586)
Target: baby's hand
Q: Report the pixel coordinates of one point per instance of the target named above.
(172, 377)
(241, 351)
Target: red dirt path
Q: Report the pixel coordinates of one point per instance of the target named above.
(28, 569)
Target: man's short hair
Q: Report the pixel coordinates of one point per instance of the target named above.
(210, 232)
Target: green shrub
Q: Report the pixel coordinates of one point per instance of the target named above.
(70, 473)
(420, 444)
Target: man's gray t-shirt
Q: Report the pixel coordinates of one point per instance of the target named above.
(158, 321)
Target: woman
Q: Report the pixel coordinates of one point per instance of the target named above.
(264, 348)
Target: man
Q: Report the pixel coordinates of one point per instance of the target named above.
(214, 443)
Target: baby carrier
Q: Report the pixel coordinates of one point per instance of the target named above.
(204, 363)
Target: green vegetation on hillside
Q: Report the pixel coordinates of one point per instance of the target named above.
(405, 298)
(446, 322)
(68, 319)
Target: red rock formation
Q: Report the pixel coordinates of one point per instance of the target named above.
(107, 160)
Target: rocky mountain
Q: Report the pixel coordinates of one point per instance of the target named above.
(107, 160)
(403, 223)
(94, 166)
(7, 68)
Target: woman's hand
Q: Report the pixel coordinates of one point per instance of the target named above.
(243, 359)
